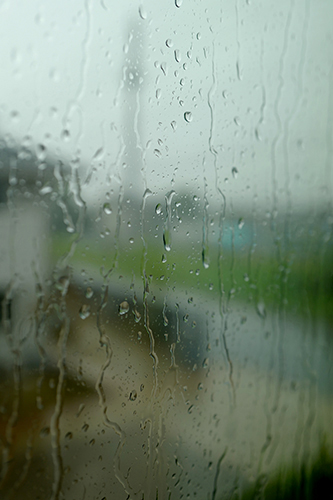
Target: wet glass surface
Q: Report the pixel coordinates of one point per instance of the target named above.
(166, 252)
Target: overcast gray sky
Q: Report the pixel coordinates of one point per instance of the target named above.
(238, 92)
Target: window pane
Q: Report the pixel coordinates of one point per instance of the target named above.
(166, 249)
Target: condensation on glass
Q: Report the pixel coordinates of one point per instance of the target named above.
(166, 249)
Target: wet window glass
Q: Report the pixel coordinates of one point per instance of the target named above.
(166, 250)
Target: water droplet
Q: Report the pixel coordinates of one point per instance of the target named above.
(98, 154)
(44, 432)
(158, 209)
(69, 436)
(158, 93)
(80, 410)
(205, 363)
(174, 125)
(164, 68)
(131, 240)
(188, 116)
(190, 300)
(45, 190)
(167, 224)
(15, 115)
(241, 223)
(185, 318)
(234, 172)
(41, 152)
(169, 43)
(157, 153)
(137, 316)
(200, 386)
(142, 12)
(178, 3)
(198, 36)
(133, 395)
(177, 55)
(107, 209)
(85, 427)
(124, 308)
(84, 311)
(164, 259)
(205, 258)
(89, 292)
(65, 135)
(62, 285)
(261, 310)
(166, 240)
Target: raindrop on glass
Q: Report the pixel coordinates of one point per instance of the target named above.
(65, 135)
(177, 55)
(188, 116)
(84, 311)
(137, 316)
(142, 12)
(158, 209)
(107, 209)
(261, 310)
(164, 68)
(41, 152)
(44, 432)
(124, 308)
(133, 395)
(241, 223)
(45, 190)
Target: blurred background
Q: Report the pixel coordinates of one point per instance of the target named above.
(166, 272)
